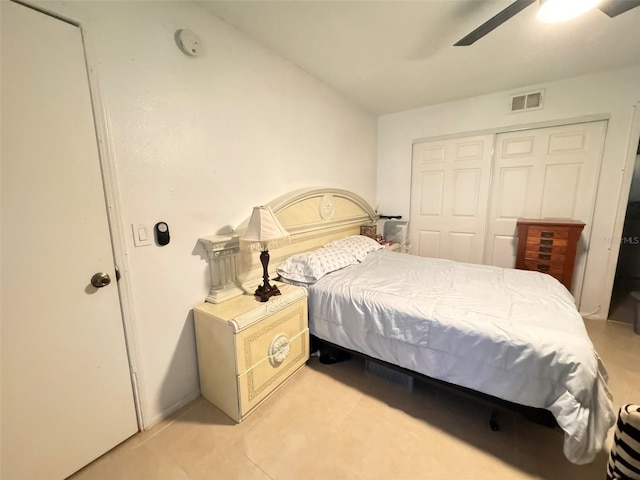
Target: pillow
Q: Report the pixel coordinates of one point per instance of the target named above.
(312, 266)
(357, 245)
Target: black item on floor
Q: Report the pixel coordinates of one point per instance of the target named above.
(329, 355)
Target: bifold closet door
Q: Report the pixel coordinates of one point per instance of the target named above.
(67, 396)
(543, 173)
(449, 192)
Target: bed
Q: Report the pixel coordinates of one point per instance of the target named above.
(511, 334)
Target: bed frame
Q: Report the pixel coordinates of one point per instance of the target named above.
(540, 416)
(314, 217)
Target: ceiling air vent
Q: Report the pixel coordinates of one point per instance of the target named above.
(526, 101)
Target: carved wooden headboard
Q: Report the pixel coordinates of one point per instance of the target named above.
(312, 216)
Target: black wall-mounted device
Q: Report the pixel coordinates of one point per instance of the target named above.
(161, 230)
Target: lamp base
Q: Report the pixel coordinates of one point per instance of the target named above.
(264, 292)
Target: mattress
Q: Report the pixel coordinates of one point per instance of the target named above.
(513, 334)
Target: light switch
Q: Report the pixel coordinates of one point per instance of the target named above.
(141, 237)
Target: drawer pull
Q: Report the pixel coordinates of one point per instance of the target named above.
(544, 256)
(542, 267)
(546, 234)
(545, 249)
(279, 349)
(546, 242)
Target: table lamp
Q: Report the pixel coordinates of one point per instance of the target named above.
(264, 232)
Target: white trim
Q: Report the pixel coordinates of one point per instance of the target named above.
(166, 413)
(515, 128)
(106, 151)
(592, 214)
(625, 187)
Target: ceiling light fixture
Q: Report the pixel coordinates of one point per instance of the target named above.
(554, 11)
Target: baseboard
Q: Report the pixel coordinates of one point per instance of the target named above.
(172, 409)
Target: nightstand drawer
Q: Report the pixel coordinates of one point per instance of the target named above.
(253, 344)
(287, 356)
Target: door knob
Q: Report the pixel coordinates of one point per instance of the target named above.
(100, 280)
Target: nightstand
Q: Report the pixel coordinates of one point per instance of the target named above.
(247, 349)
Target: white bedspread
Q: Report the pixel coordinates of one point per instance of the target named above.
(508, 333)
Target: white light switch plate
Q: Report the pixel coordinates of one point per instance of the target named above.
(142, 235)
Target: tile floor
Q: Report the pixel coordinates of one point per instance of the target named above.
(340, 422)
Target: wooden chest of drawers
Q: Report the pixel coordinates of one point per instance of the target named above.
(549, 246)
(246, 349)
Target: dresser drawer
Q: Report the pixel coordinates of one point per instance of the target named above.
(253, 343)
(548, 232)
(544, 267)
(261, 379)
(558, 246)
(553, 258)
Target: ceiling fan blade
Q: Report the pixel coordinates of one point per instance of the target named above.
(494, 22)
(616, 7)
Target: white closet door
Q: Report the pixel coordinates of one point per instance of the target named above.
(543, 173)
(449, 192)
(66, 388)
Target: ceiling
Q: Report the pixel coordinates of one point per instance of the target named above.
(390, 56)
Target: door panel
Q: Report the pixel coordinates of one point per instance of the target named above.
(543, 173)
(466, 187)
(432, 189)
(561, 185)
(428, 243)
(450, 184)
(513, 186)
(66, 389)
(461, 248)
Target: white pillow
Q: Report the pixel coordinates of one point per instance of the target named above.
(312, 266)
(357, 245)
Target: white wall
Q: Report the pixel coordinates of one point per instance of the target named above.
(198, 142)
(610, 93)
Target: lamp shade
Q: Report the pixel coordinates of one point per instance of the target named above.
(264, 229)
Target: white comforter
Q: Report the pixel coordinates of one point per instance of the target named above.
(512, 334)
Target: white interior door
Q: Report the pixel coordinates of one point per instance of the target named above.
(449, 195)
(66, 390)
(544, 173)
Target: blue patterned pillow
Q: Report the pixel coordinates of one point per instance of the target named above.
(357, 245)
(312, 266)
